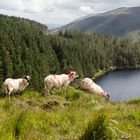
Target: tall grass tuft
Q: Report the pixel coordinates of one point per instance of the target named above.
(73, 96)
(97, 129)
(18, 124)
(134, 101)
(7, 105)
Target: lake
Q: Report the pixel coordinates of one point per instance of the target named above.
(122, 85)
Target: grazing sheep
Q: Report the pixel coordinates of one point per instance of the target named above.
(88, 84)
(56, 81)
(15, 85)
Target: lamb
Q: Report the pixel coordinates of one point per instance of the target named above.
(56, 81)
(88, 84)
(15, 85)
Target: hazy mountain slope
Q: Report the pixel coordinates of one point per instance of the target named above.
(117, 22)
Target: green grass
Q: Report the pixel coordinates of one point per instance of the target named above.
(134, 101)
(74, 115)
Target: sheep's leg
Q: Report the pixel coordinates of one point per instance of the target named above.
(65, 89)
(5, 89)
(6, 93)
(9, 94)
(6, 96)
(60, 88)
(53, 90)
(46, 91)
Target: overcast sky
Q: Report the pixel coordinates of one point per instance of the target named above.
(60, 11)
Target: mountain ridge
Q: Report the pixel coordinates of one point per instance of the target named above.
(118, 22)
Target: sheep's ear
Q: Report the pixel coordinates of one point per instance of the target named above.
(70, 72)
(24, 76)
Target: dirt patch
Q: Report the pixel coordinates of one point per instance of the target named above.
(50, 105)
(66, 104)
(32, 103)
(53, 104)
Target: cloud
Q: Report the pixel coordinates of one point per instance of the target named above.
(31, 6)
(60, 11)
(86, 9)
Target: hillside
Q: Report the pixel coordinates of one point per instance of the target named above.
(27, 49)
(75, 115)
(118, 22)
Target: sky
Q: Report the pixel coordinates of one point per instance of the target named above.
(60, 12)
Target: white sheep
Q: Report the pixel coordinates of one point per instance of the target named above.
(56, 81)
(15, 85)
(88, 84)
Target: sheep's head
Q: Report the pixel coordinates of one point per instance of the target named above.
(105, 95)
(28, 78)
(72, 74)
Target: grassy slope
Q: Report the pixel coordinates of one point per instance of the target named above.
(31, 116)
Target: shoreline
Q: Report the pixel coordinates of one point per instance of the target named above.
(103, 72)
(112, 68)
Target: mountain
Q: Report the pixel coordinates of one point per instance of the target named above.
(53, 26)
(119, 22)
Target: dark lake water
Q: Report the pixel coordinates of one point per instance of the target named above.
(122, 84)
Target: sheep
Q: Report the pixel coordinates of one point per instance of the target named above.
(56, 81)
(88, 84)
(15, 85)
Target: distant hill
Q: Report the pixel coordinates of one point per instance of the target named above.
(53, 26)
(119, 22)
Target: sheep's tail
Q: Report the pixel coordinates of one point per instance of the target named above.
(4, 88)
(1, 89)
